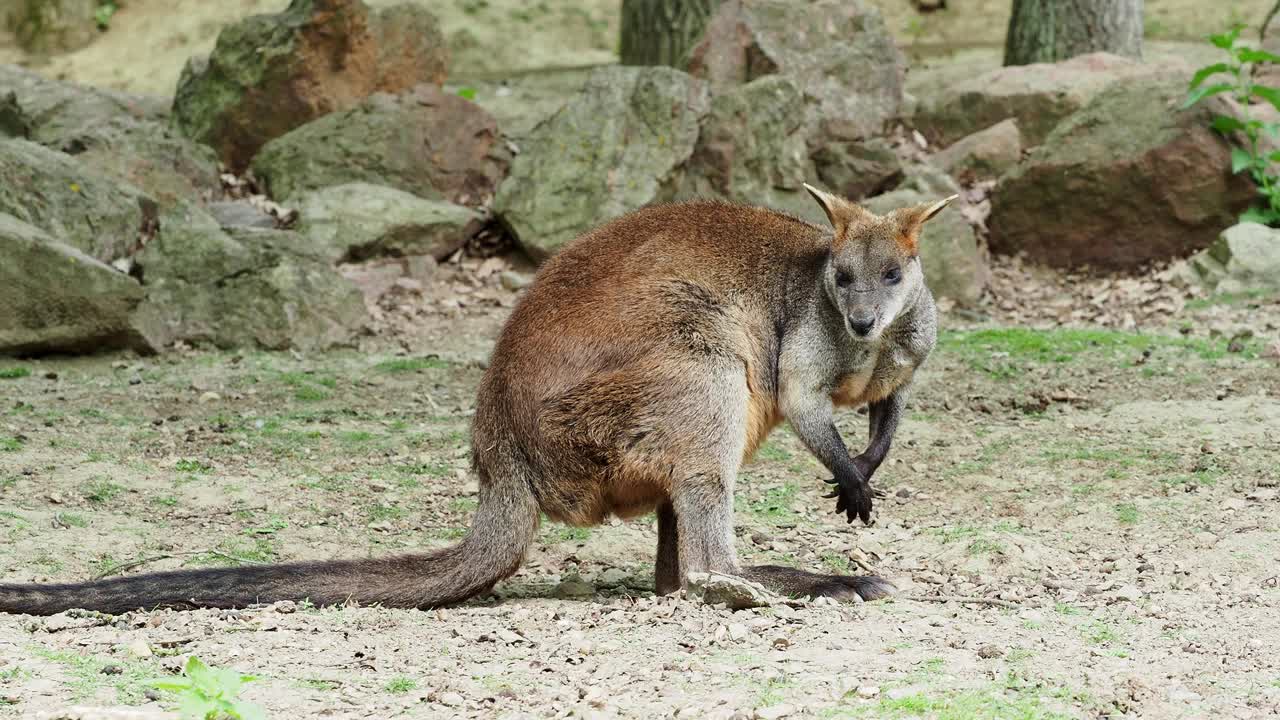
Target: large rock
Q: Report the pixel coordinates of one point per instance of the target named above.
(857, 168)
(610, 150)
(955, 266)
(101, 216)
(269, 74)
(121, 135)
(359, 221)
(838, 52)
(242, 288)
(984, 155)
(433, 144)
(44, 27)
(1128, 180)
(1038, 96)
(752, 149)
(1245, 258)
(57, 299)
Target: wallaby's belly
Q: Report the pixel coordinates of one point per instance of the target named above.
(874, 381)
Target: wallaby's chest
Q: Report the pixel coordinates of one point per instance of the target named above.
(870, 376)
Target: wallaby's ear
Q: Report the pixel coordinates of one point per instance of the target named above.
(911, 219)
(840, 212)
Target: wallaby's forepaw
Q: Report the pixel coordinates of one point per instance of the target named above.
(853, 497)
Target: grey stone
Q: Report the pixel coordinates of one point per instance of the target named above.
(359, 221)
(613, 148)
(58, 299)
(1245, 258)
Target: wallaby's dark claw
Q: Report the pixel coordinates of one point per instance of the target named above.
(831, 481)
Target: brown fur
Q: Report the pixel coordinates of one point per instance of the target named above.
(644, 364)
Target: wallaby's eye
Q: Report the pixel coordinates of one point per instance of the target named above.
(843, 279)
(893, 275)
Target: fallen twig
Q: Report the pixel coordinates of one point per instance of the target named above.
(963, 599)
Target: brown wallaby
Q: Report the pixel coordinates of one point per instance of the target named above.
(647, 361)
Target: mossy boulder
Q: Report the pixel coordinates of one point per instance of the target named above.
(355, 222)
(838, 52)
(751, 148)
(1245, 258)
(117, 134)
(269, 74)
(1129, 179)
(432, 144)
(58, 299)
(102, 216)
(955, 265)
(615, 146)
(1037, 96)
(242, 287)
(44, 27)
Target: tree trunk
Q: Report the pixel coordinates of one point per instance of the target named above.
(661, 32)
(1054, 30)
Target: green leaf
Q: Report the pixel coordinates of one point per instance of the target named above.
(197, 707)
(1263, 216)
(1205, 72)
(1225, 124)
(179, 684)
(1240, 160)
(1274, 157)
(200, 674)
(1226, 39)
(1271, 95)
(1250, 55)
(467, 93)
(1205, 91)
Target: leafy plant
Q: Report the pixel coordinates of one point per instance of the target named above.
(1235, 76)
(105, 11)
(206, 693)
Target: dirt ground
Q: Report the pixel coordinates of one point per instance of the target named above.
(1115, 490)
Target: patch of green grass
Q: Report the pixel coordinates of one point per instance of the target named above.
(407, 365)
(1126, 513)
(10, 444)
(380, 512)
(1100, 633)
(192, 466)
(971, 705)
(983, 546)
(273, 525)
(769, 451)
(238, 551)
(771, 691)
(319, 684)
(13, 373)
(1007, 353)
(165, 501)
(1230, 299)
(776, 503)
(836, 563)
(463, 504)
(400, 685)
(100, 491)
(568, 533)
(70, 520)
(86, 676)
(310, 393)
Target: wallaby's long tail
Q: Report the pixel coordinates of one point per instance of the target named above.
(492, 549)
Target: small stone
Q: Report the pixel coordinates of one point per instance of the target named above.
(209, 396)
(735, 593)
(773, 712)
(451, 699)
(613, 577)
(867, 692)
(513, 280)
(738, 632)
(140, 649)
(987, 652)
(111, 670)
(1129, 593)
(573, 588)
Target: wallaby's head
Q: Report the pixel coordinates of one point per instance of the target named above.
(873, 269)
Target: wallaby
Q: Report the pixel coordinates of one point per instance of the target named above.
(647, 361)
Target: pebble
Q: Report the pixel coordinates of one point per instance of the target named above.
(513, 280)
(867, 692)
(987, 652)
(773, 712)
(140, 649)
(738, 632)
(451, 699)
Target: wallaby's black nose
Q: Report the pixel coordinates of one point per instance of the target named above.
(862, 326)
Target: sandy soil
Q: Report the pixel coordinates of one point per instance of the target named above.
(1117, 491)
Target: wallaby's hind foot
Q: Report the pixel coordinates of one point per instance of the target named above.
(798, 583)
